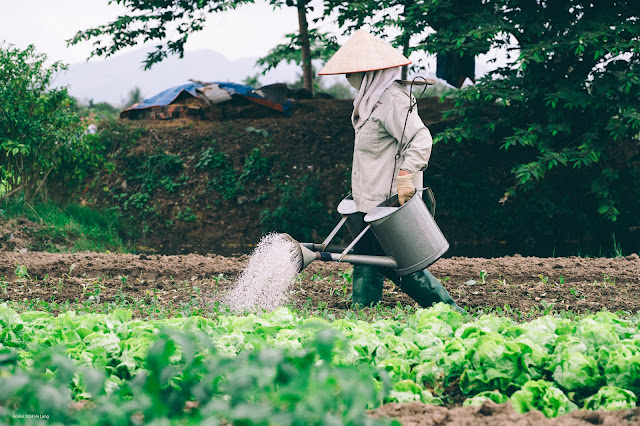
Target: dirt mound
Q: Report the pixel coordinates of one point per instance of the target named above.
(492, 414)
(218, 186)
(17, 234)
(527, 285)
(141, 267)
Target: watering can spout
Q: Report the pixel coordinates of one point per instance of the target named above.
(302, 255)
(307, 255)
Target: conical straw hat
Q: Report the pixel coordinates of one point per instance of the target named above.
(364, 52)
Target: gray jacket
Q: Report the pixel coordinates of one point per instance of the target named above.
(376, 146)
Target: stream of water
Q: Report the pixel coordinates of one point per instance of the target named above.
(265, 283)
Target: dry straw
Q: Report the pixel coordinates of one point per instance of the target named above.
(364, 52)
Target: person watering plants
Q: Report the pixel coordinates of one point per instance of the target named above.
(392, 149)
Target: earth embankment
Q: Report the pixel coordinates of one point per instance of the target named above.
(217, 186)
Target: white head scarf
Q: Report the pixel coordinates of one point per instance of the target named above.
(373, 85)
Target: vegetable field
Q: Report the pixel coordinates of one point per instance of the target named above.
(125, 339)
(280, 368)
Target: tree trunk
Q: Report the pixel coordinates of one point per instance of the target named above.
(406, 36)
(455, 69)
(405, 52)
(307, 71)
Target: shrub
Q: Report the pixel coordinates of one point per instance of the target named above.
(40, 134)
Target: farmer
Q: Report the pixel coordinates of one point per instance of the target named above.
(388, 158)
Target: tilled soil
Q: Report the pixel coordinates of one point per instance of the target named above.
(522, 283)
(491, 414)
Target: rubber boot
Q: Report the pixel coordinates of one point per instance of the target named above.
(425, 289)
(367, 285)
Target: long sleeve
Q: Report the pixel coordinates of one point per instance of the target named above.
(417, 142)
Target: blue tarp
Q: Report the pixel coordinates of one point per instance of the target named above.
(165, 98)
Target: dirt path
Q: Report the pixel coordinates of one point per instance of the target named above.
(522, 283)
(491, 414)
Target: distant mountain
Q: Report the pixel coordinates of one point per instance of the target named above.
(110, 80)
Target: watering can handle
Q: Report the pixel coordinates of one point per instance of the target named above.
(432, 199)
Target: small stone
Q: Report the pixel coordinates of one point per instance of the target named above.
(633, 257)
(23, 250)
(471, 282)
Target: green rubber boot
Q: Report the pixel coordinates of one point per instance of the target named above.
(425, 289)
(367, 285)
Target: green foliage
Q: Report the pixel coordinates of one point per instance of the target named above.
(379, 16)
(226, 183)
(100, 111)
(69, 227)
(299, 211)
(611, 398)
(148, 20)
(322, 46)
(256, 166)
(40, 134)
(133, 97)
(252, 80)
(145, 175)
(180, 375)
(283, 368)
(543, 396)
(225, 179)
(480, 398)
(568, 100)
(186, 215)
(415, 24)
(210, 159)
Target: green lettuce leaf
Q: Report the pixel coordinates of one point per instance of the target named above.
(543, 396)
(623, 367)
(577, 372)
(611, 398)
(480, 398)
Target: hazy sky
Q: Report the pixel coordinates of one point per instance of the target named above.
(249, 31)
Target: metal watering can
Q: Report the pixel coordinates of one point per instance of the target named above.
(408, 235)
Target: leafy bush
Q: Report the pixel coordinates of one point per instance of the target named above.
(210, 159)
(225, 179)
(300, 211)
(567, 102)
(256, 166)
(40, 134)
(145, 175)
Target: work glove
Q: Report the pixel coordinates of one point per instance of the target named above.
(405, 187)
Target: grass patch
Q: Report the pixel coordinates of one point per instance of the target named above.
(67, 228)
